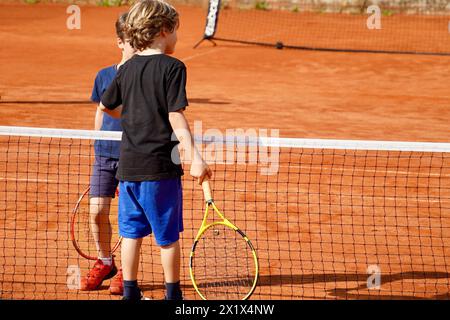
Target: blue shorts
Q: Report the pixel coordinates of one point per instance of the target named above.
(151, 206)
(103, 178)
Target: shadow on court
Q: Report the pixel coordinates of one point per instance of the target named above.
(345, 293)
(340, 279)
(207, 101)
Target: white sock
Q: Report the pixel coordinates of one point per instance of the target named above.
(106, 261)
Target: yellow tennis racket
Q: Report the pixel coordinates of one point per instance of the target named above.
(223, 264)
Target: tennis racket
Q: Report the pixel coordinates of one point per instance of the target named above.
(80, 228)
(223, 264)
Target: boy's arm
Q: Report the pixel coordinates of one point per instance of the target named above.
(111, 100)
(180, 126)
(98, 119)
(115, 113)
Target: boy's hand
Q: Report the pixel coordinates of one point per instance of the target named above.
(200, 170)
(115, 113)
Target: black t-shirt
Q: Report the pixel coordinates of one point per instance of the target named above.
(148, 88)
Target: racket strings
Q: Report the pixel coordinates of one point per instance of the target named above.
(223, 264)
(82, 230)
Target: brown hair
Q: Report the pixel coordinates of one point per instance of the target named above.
(121, 26)
(146, 19)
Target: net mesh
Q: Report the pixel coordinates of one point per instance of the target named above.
(326, 217)
(397, 27)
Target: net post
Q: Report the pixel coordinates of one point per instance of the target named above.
(211, 21)
(203, 39)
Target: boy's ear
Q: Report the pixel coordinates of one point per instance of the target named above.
(163, 32)
(120, 43)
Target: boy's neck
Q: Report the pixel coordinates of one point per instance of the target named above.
(122, 62)
(157, 48)
(150, 51)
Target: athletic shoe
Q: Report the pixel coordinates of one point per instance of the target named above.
(97, 275)
(116, 286)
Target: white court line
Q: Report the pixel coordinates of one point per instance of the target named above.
(332, 168)
(215, 49)
(359, 196)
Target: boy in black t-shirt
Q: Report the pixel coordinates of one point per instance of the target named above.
(149, 94)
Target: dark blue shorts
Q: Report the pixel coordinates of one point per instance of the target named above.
(151, 206)
(103, 178)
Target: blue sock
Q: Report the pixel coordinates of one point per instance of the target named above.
(131, 290)
(173, 291)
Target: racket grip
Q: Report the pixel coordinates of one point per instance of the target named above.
(207, 190)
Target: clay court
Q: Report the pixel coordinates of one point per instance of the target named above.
(313, 243)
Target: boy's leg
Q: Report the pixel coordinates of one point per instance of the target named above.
(170, 260)
(155, 206)
(103, 187)
(130, 265)
(133, 227)
(165, 213)
(99, 208)
(104, 267)
(130, 258)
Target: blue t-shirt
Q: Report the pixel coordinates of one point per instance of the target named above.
(104, 148)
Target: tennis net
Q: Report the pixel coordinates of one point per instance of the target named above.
(329, 219)
(407, 27)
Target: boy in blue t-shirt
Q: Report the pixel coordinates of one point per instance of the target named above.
(103, 182)
(149, 94)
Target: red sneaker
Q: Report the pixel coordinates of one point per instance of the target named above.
(96, 275)
(116, 286)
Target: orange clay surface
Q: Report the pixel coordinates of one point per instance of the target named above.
(302, 94)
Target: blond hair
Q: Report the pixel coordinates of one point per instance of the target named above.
(146, 19)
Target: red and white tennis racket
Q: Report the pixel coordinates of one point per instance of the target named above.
(80, 227)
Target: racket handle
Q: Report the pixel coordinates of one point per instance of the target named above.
(207, 190)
